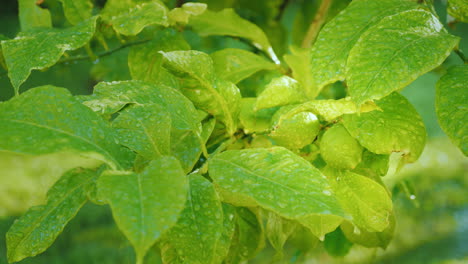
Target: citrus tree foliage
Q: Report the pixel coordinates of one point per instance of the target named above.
(211, 136)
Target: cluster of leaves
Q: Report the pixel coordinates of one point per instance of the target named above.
(204, 155)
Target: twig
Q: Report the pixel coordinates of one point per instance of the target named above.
(316, 24)
(461, 55)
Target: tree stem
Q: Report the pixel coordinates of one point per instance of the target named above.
(316, 24)
(461, 55)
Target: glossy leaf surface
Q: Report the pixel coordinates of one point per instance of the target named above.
(280, 91)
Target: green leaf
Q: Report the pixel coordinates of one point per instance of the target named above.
(275, 179)
(61, 125)
(234, 65)
(146, 204)
(339, 149)
(249, 237)
(452, 112)
(145, 61)
(330, 110)
(299, 62)
(365, 200)
(294, 131)
(395, 52)
(77, 10)
(458, 9)
(278, 230)
(195, 237)
(369, 239)
(187, 148)
(280, 91)
(146, 129)
(397, 128)
(373, 164)
(32, 16)
(330, 51)
(42, 48)
(336, 243)
(227, 22)
(254, 121)
(215, 96)
(111, 97)
(130, 18)
(182, 14)
(38, 228)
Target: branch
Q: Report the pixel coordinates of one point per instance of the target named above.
(461, 55)
(316, 24)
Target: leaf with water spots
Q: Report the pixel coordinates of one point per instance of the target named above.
(236, 64)
(279, 92)
(144, 205)
(294, 131)
(145, 129)
(77, 10)
(195, 237)
(397, 127)
(38, 228)
(458, 9)
(145, 60)
(42, 48)
(252, 120)
(181, 15)
(451, 105)
(339, 149)
(61, 125)
(130, 17)
(370, 239)
(395, 52)
(334, 42)
(33, 16)
(227, 22)
(211, 94)
(275, 179)
(365, 200)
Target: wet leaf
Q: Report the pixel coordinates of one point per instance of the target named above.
(451, 108)
(299, 62)
(77, 10)
(234, 65)
(369, 239)
(339, 149)
(146, 204)
(279, 92)
(33, 16)
(254, 121)
(145, 129)
(395, 52)
(61, 125)
(38, 228)
(182, 14)
(458, 9)
(336, 39)
(42, 48)
(397, 128)
(195, 237)
(274, 179)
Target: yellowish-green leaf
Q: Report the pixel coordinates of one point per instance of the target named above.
(275, 179)
(299, 62)
(182, 14)
(61, 125)
(330, 51)
(365, 200)
(146, 204)
(215, 96)
(395, 52)
(145, 129)
(236, 64)
(458, 9)
(369, 239)
(280, 91)
(339, 149)
(195, 237)
(254, 121)
(145, 61)
(396, 128)
(38, 228)
(77, 10)
(33, 16)
(227, 22)
(42, 48)
(451, 106)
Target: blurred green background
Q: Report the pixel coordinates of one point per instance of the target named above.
(430, 196)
